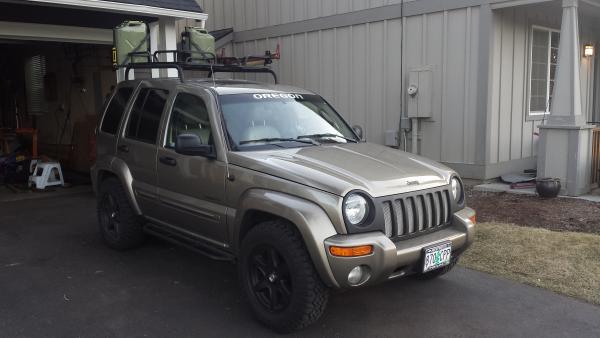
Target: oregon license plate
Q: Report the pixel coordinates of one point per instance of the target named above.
(437, 256)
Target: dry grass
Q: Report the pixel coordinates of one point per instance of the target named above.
(565, 262)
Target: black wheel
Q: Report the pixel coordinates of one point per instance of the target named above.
(278, 277)
(120, 227)
(439, 272)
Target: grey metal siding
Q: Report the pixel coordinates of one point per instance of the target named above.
(251, 14)
(357, 69)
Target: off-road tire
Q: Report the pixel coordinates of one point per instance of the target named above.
(309, 295)
(438, 272)
(128, 232)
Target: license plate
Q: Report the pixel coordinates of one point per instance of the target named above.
(437, 256)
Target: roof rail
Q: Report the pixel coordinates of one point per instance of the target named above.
(203, 62)
(155, 65)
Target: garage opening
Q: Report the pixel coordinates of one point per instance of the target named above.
(51, 94)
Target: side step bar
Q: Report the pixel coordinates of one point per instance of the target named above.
(201, 247)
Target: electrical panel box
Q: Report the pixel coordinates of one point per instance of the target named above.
(391, 138)
(419, 92)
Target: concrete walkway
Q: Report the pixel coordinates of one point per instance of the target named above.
(57, 279)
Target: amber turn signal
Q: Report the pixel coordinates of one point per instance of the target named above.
(473, 218)
(352, 251)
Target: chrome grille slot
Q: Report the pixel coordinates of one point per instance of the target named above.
(444, 208)
(436, 208)
(387, 218)
(418, 212)
(410, 214)
(428, 210)
(399, 217)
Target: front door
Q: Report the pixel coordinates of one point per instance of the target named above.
(138, 147)
(192, 188)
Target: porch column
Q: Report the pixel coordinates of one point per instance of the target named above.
(565, 141)
(163, 36)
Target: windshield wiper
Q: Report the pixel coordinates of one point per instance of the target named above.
(328, 135)
(280, 139)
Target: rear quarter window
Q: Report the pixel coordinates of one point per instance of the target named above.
(146, 114)
(115, 110)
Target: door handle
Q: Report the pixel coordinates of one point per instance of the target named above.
(123, 148)
(168, 160)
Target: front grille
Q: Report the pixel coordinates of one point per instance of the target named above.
(409, 214)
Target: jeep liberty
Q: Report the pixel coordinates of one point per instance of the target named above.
(272, 178)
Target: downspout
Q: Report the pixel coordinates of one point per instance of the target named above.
(402, 110)
(415, 135)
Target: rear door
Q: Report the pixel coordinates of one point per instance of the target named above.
(138, 145)
(192, 188)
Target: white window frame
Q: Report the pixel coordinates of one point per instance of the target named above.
(530, 66)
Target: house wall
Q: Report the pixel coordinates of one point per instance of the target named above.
(357, 68)
(512, 135)
(479, 58)
(251, 14)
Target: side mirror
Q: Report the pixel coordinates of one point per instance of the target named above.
(190, 144)
(358, 131)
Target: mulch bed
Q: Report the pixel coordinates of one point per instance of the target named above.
(558, 214)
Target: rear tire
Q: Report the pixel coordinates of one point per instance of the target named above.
(278, 278)
(439, 272)
(120, 227)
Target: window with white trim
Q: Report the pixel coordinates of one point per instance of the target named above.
(542, 68)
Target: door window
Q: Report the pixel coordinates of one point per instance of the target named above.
(189, 116)
(145, 115)
(115, 110)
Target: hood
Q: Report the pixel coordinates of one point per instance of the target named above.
(340, 168)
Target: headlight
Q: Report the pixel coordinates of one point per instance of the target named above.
(356, 209)
(457, 190)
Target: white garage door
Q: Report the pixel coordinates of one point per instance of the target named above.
(57, 33)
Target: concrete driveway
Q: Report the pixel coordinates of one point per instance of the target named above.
(57, 279)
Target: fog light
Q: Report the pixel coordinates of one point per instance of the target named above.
(358, 275)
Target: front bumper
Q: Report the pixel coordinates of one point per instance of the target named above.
(396, 259)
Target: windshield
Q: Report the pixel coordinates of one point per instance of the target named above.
(282, 120)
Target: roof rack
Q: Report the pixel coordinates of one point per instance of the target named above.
(209, 67)
(202, 61)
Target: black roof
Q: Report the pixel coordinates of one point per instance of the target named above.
(183, 5)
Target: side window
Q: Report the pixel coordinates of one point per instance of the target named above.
(189, 116)
(145, 115)
(115, 110)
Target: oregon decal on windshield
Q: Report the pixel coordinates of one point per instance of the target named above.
(277, 96)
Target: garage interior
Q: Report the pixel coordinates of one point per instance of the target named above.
(57, 89)
(52, 90)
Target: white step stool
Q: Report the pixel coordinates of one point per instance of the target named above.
(46, 174)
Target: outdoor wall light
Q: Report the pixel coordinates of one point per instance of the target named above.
(588, 50)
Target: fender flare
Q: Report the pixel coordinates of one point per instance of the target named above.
(120, 169)
(311, 221)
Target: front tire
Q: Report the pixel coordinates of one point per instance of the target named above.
(278, 277)
(120, 227)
